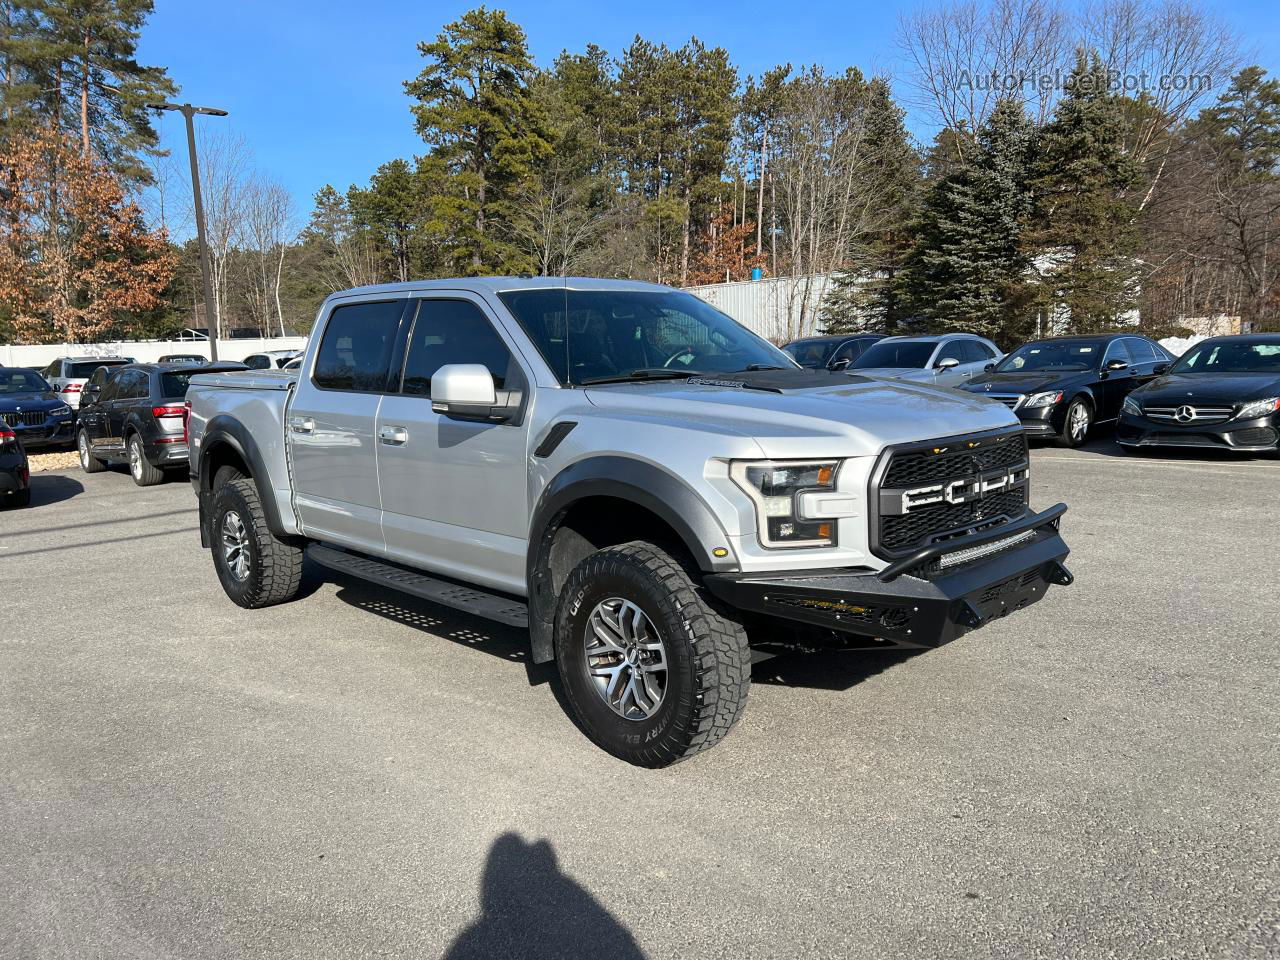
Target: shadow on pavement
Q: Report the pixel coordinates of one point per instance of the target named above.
(530, 909)
(827, 669)
(51, 488)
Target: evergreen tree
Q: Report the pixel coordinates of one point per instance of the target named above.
(475, 109)
(967, 269)
(1085, 235)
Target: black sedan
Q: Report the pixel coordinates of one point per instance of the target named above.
(15, 476)
(32, 410)
(1061, 387)
(1223, 392)
(831, 352)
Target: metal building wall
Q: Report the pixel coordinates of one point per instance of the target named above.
(772, 308)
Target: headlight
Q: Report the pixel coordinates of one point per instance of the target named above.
(1258, 408)
(1132, 406)
(1042, 400)
(61, 411)
(774, 486)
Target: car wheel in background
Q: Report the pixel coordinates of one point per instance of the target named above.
(652, 671)
(88, 462)
(144, 474)
(255, 568)
(1075, 426)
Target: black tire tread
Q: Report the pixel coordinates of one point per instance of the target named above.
(723, 658)
(150, 475)
(280, 564)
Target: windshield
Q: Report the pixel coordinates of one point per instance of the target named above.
(1230, 357)
(902, 353)
(588, 334)
(1062, 355)
(22, 381)
(84, 369)
(813, 354)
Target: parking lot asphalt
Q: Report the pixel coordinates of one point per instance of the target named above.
(360, 774)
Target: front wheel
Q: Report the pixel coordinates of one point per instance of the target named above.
(88, 462)
(1075, 427)
(255, 568)
(653, 672)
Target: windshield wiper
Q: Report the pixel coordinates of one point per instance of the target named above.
(753, 367)
(643, 373)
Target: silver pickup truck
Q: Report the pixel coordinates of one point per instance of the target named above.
(645, 485)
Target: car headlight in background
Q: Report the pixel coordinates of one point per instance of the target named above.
(774, 486)
(1132, 406)
(61, 411)
(1258, 408)
(1042, 400)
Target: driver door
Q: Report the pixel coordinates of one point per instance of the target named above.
(1115, 384)
(951, 376)
(454, 491)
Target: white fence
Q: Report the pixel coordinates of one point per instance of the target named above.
(41, 355)
(781, 308)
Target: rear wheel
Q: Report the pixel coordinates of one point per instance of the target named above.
(22, 498)
(1075, 426)
(143, 473)
(653, 672)
(88, 462)
(255, 568)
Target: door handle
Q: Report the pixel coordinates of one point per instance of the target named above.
(302, 424)
(393, 435)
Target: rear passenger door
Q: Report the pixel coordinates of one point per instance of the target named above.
(454, 491)
(330, 425)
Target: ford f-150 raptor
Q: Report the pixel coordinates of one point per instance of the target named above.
(646, 485)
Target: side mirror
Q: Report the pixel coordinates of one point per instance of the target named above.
(989, 367)
(947, 363)
(465, 391)
(1160, 369)
(839, 364)
(1116, 365)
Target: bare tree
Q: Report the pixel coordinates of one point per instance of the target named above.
(268, 231)
(224, 173)
(554, 224)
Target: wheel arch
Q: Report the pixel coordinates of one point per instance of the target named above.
(226, 442)
(604, 501)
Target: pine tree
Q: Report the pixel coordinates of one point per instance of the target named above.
(475, 109)
(1085, 235)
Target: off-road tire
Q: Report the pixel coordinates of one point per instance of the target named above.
(88, 462)
(709, 663)
(274, 567)
(140, 468)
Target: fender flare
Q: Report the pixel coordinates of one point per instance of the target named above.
(227, 430)
(622, 478)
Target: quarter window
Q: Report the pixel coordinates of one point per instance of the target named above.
(452, 331)
(356, 348)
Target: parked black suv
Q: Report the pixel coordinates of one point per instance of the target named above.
(135, 414)
(1061, 387)
(1223, 392)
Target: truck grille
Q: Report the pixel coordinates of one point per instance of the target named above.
(25, 419)
(931, 492)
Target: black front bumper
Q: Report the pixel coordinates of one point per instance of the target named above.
(50, 432)
(1256, 435)
(917, 601)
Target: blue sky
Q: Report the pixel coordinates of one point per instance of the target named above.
(315, 88)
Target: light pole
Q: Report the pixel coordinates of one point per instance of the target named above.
(188, 111)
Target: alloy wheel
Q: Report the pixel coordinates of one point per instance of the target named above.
(626, 659)
(83, 445)
(235, 545)
(135, 459)
(1079, 425)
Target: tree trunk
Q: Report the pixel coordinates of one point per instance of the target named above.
(84, 99)
(764, 146)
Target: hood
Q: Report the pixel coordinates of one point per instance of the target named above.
(856, 418)
(1220, 388)
(43, 400)
(1014, 381)
(895, 373)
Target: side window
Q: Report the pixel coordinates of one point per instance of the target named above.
(847, 351)
(971, 351)
(1117, 351)
(112, 390)
(452, 331)
(952, 350)
(257, 362)
(357, 346)
(1143, 351)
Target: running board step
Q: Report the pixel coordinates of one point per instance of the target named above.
(491, 606)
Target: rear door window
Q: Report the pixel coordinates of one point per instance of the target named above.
(1143, 351)
(356, 349)
(1117, 351)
